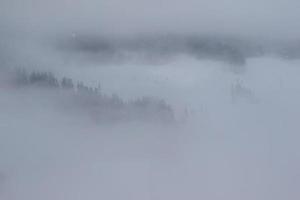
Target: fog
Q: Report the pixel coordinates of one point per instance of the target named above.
(149, 100)
(264, 18)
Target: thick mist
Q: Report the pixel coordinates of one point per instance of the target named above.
(225, 144)
(146, 100)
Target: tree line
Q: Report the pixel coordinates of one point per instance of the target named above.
(94, 103)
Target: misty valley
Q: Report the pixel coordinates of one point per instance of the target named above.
(149, 100)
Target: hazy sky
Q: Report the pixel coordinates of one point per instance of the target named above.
(267, 18)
